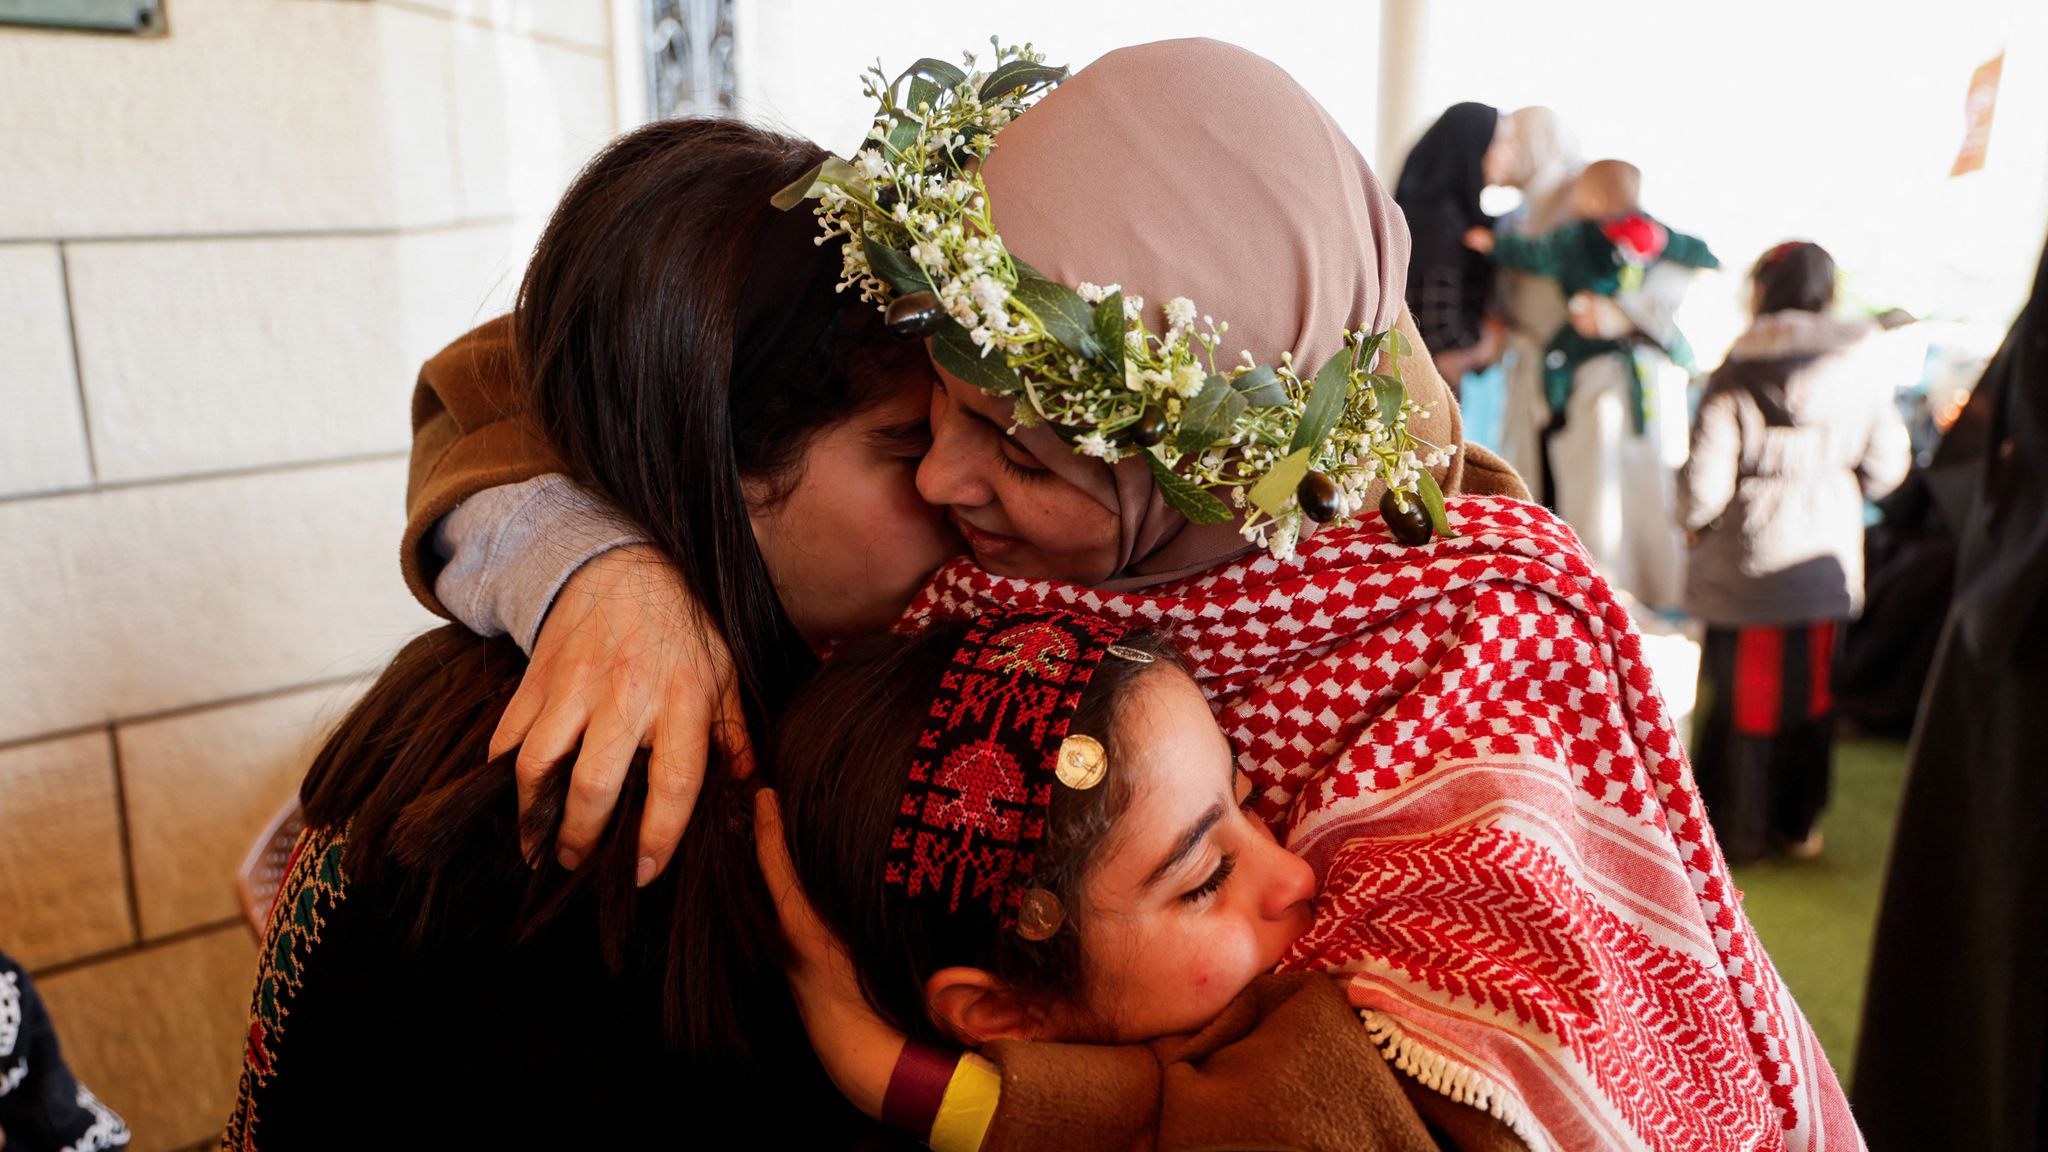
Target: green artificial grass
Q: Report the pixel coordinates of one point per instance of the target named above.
(1816, 916)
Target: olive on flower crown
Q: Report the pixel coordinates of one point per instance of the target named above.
(1222, 440)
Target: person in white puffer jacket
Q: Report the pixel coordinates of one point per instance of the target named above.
(1795, 431)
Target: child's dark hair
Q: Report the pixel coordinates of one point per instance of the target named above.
(646, 312)
(1794, 276)
(839, 765)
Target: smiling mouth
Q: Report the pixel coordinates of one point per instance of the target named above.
(985, 544)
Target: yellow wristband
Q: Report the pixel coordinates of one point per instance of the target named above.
(968, 1106)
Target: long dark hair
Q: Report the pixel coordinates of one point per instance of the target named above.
(839, 764)
(677, 336)
(1797, 275)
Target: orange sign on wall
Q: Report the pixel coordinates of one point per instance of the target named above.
(1977, 110)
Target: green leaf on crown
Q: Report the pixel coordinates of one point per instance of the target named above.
(1109, 334)
(945, 76)
(894, 268)
(1261, 388)
(956, 352)
(903, 136)
(1277, 486)
(1326, 396)
(1389, 394)
(1209, 417)
(830, 170)
(1019, 74)
(1066, 317)
(1433, 502)
(1199, 505)
(924, 96)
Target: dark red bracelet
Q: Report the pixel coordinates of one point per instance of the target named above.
(917, 1087)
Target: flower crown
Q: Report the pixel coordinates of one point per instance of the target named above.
(920, 240)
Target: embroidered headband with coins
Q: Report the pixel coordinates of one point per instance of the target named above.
(994, 747)
(1267, 444)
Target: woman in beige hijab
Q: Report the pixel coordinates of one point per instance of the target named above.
(1289, 253)
(1371, 695)
(1259, 210)
(1533, 305)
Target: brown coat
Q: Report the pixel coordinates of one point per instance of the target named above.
(1287, 1066)
(471, 431)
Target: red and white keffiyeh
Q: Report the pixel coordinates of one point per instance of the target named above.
(1464, 739)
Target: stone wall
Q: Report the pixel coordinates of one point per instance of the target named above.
(223, 254)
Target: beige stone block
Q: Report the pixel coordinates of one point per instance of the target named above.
(132, 602)
(200, 788)
(157, 1034)
(528, 115)
(209, 355)
(586, 23)
(63, 887)
(250, 116)
(42, 433)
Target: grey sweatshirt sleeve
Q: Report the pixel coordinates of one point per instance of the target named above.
(510, 549)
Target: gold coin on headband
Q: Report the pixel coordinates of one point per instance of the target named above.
(1082, 762)
(1039, 914)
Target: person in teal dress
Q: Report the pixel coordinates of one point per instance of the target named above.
(1603, 252)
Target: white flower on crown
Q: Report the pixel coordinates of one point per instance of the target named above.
(1180, 312)
(1092, 293)
(990, 294)
(1286, 532)
(1188, 379)
(872, 164)
(1094, 444)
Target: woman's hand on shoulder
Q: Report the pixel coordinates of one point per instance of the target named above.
(624, 661)
(858, 1049)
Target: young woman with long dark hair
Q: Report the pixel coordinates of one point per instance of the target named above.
(421, 984)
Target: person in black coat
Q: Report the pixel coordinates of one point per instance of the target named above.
(1954, 1044)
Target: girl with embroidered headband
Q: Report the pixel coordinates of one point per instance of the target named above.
(1031, 837)
(1526, 906)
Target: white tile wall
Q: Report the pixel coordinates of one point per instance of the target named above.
(201, 356)
(528, 115)
(200, 788)
(63, 891)
(272, 216)
(42, 432)
(251, 115)
(135, 601)
(581, 22)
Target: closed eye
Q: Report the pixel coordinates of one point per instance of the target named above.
(1028, 475)
(1214, 883)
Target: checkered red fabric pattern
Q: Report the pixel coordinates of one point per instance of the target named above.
(974, 805)
(1465, 741)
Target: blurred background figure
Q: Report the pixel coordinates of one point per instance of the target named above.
(1532, 307)
(1449, 286)
(1954, 1045)
(1614, 380)
(1603, 252)
(1796, 429)
(43, 1107)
